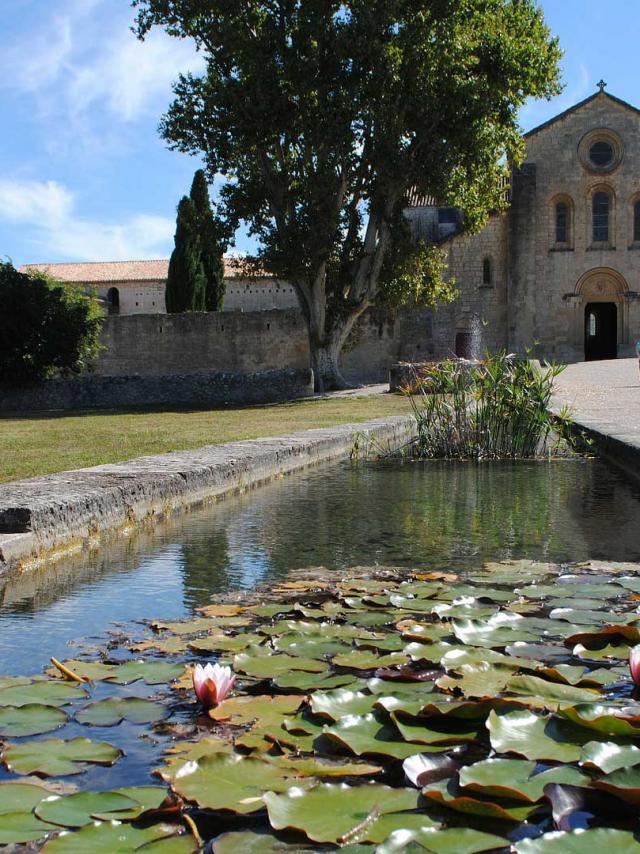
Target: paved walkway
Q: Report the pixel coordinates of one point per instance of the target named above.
(604, 397)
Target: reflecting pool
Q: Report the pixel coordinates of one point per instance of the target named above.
(428, 514)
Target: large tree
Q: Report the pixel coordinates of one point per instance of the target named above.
(323, 114)
(211, 243)
(186, 280)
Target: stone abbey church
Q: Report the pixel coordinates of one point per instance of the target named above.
(560, 271)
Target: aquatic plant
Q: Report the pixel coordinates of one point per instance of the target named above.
(634, 664)
(492, 409)
(374, 710)
(212, 683)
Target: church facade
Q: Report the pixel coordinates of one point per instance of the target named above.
(559, 273)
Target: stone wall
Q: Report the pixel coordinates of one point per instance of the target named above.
(203, 341)
(195, 389)
(155, 345)
(478, 265)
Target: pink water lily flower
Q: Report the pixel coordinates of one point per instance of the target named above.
(634, 664)
(212, 683)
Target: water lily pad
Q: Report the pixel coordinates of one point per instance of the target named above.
(533, 737)
(115, 838)
(82, 807)
(607, 756)
(267, 710)
(608, 720)
(234, 782)
(614, 635)
(113, 711)
(256, 662)
(298, 680)
(581, 842)
(20, 797)
(30, 720)
(550, 695)
(168, 645)
(624, 783)
(336, 704)
(495, 632)
(449, 794)
(249, 842)
(49, 692)
(424, 768)
(454, 840)
(436, 730)
(21, 827)
(458, 656)
(336, 812)
(476, 680)
(312, 766)
(151, 672)
(310, 646)
(367, 735)
(55, 757)
(366, 660)
(516, 779)
(223, 643)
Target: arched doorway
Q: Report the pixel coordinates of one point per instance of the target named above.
(601, 313)
(113, 300)
(601, 331)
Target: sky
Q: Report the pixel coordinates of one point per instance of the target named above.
(84, 175)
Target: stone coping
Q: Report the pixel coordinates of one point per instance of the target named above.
(45, 517)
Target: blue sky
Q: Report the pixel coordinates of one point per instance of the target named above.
(83, 173)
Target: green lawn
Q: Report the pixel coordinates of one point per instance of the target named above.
(37, 444)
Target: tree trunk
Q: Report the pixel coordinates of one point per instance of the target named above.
(325, 351)
(326, 370)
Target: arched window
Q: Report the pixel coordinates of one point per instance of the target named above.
(562, 222)
(601, 206)
(636, 222)
(113, 299)
(486, 272)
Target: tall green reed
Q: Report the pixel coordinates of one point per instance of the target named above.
(498, 408)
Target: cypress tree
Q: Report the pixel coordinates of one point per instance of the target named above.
(210, 243)
(186, 281)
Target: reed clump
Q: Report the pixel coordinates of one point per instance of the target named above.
(496, 408)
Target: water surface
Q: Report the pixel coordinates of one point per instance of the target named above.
(431, 515)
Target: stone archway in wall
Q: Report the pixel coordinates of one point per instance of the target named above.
(606, 291)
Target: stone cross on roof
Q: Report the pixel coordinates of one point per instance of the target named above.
(601, 85)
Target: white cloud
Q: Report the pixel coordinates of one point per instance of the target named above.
(84, 67)
(129, 78)
(59, 233)
(34, 201)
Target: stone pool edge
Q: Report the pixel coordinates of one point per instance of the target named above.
(44, 518)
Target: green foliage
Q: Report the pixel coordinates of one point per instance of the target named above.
(323, 116)
(496, 408)
(186, 282)
(46, 327)
(211, 243)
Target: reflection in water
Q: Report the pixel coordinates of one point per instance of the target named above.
(431, 514)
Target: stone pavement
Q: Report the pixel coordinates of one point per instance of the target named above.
(604, 398)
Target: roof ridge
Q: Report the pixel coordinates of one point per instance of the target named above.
(84, 263)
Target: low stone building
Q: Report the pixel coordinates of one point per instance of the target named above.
(560, 271)
(138, 287)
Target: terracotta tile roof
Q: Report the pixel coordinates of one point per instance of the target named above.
(95, 272)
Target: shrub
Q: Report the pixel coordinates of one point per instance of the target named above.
(46, 327)
(496, 408)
